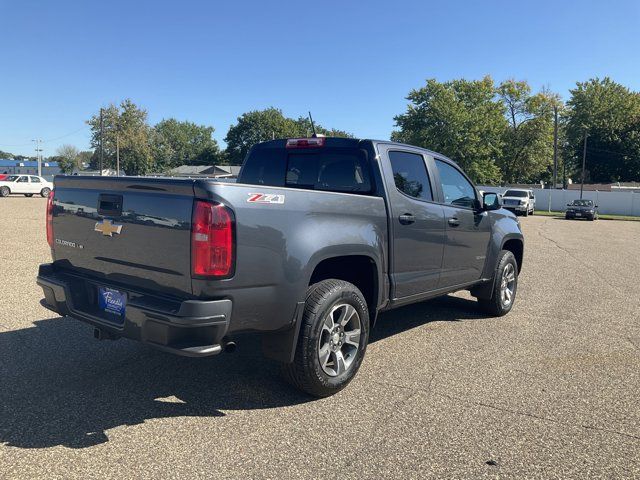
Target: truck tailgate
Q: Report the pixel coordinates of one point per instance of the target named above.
(128, 230)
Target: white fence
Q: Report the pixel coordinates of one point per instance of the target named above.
(613, 203)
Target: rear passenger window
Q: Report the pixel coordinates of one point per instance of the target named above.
(410, 174)
(35, 180)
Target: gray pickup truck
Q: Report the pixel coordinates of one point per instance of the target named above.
(316, 238)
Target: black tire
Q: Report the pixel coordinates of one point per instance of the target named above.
(495, 305)
(533, 211)
(4, 191)
(44, 193)
(305, 372)
(28, 195)
(526, 212)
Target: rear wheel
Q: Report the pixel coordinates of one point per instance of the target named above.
(4, 191)
(333, 339)
(45, 192)
(505, 285)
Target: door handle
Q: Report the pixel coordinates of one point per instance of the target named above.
(407, 219)
(453, 221)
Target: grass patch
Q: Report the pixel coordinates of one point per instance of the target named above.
(601, 216)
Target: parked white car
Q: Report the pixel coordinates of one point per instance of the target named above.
(27, 185)
(519, 200)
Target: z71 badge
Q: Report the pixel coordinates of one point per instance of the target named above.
(266, 198)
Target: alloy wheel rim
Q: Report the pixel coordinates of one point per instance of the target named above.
(339, 340)
(508, 285)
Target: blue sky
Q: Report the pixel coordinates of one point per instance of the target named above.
(350, 63)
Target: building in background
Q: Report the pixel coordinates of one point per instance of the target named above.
(29, 167)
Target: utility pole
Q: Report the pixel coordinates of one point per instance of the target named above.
(584, 160)
(38, 155)
(101, 141)
(555, 145)
(117, 154)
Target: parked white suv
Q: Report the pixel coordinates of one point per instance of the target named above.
(27, 185)
(519, 200)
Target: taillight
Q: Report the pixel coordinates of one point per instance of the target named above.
(313, 142)
(50, 219)
(211, 240)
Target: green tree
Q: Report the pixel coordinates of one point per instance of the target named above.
(261, 125)
(527, 154)
(67, 158)
(461, 119)
(610, 113)
(177, 143)
(257, 126)
(124, 125)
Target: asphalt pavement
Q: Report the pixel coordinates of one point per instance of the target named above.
(550, 391)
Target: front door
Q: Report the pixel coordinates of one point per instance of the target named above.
(467, 230)
(22, 185)
(417, 223)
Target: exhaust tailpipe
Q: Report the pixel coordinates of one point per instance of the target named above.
(228, 346)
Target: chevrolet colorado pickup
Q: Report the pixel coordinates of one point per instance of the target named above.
(316, 238)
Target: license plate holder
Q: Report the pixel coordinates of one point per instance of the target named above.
(112, 302)
(578, 214)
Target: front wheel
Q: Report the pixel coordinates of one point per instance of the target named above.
(505, 285)
(44, 193)
(333, 339)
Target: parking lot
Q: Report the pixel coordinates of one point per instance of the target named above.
(551, 390)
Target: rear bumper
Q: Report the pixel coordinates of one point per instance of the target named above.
(191, 327)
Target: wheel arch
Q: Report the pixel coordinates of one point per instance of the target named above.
(359, 269)
(515, 246)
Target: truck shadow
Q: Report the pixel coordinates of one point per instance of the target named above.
(60, 387)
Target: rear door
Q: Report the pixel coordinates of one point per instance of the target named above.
(467, 230)
(35, 184)
(417, 222)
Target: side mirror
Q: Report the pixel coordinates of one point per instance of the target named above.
(595, 206)
(568, 204)
(491, 201)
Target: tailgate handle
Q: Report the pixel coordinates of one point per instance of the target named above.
(110, 205)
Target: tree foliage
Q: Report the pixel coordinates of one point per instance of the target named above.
(461, 119)
(261, 125)
(177, 143)
(527, 152)
(125, 126)
(67, 156)
(610, 114)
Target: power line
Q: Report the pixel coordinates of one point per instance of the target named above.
(44, 141)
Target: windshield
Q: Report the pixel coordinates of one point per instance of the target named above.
(516, 193)
(11, 178)
(582, 203)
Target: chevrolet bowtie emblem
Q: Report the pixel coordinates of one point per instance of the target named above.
(107, 228)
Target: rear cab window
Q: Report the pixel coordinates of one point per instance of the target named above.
(333, 169)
